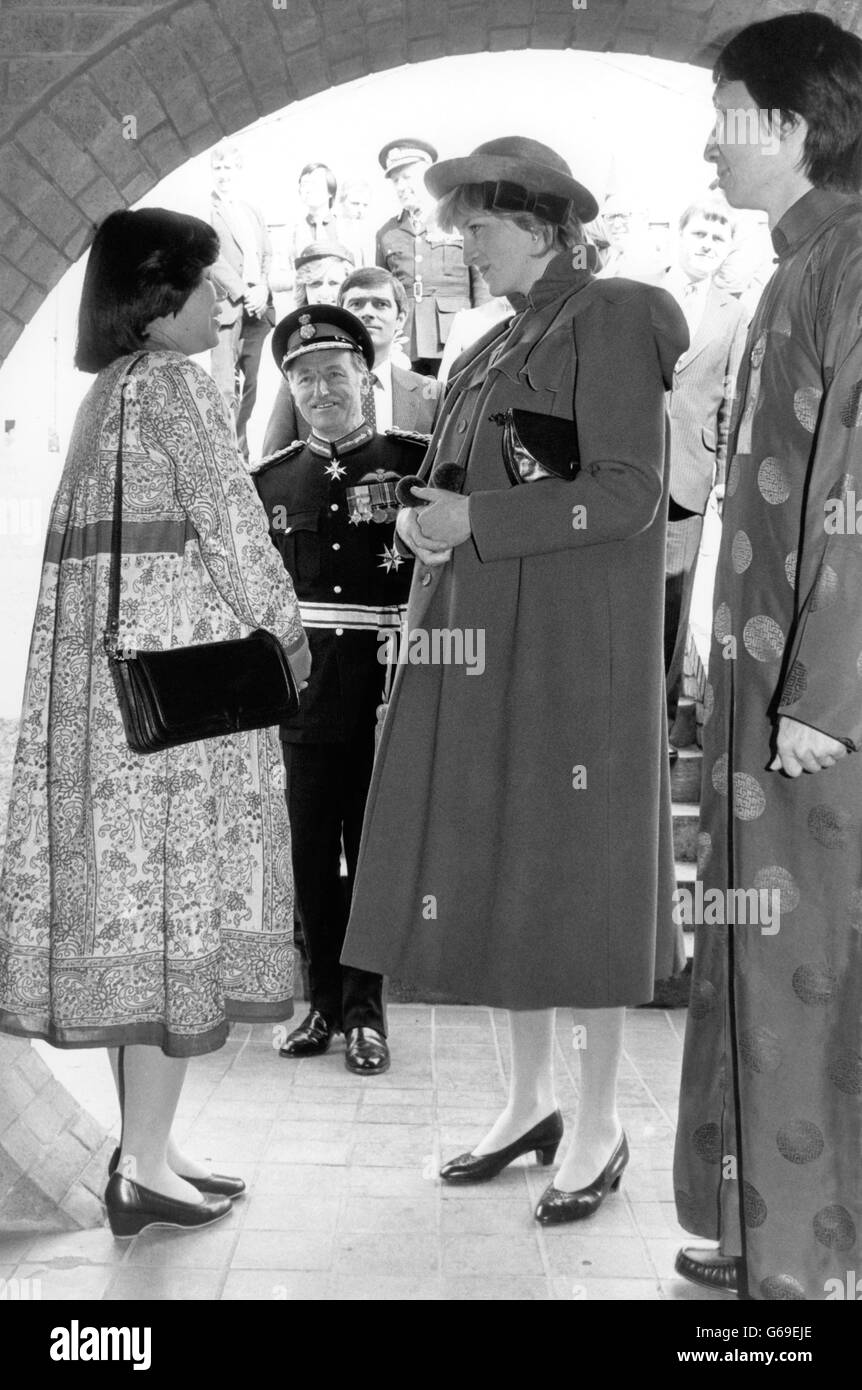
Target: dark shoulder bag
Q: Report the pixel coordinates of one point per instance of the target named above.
(189, 693)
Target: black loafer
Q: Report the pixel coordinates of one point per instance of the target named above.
(707, 1266)
(544, 1138)
(213, 1185)
(367, 1052)
(132, 1208)
(310, 1039)
(556, 1207)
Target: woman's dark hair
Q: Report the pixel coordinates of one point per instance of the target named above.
(142, 265)
(331, 180)
(806, 65)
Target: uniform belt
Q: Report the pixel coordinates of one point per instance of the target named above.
(357, 617)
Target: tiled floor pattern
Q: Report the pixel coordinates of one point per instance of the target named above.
(344, 1201)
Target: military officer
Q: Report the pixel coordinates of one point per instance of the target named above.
(429, 263)
(331, 507)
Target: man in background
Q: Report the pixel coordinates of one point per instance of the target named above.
(700, 405)
(246, 314)
(429, 263)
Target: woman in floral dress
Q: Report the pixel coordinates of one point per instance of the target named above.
(146, 901)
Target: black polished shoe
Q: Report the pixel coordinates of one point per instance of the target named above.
(213, 1185)
(707, 1266)
(310, 1039)
(367, 1052)
(672, 753)
(544, 1138)
(132, 1208)
(556, 1207)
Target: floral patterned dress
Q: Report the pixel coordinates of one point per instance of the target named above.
(146, 899)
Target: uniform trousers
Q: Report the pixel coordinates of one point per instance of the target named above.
(684, 530)
(327, 786)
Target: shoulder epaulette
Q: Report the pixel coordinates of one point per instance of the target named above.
(411, 436)
(280, 454)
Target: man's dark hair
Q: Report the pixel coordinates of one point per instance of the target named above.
(142, 265)
(331, 180)
(372, 277)
(806, 65)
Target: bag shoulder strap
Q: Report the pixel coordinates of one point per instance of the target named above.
(112, 626)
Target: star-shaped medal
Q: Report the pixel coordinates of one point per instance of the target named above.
(335, 470)
(390, 559)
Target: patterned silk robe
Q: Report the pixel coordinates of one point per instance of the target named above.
(769, 1145)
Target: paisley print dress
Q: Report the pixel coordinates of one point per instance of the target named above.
(146, 899)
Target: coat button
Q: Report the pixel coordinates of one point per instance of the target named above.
(336, 589)
(462, 426)
(336, 545)
(339, 631)
(426, 579)
(333, 507)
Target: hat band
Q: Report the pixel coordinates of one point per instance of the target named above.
(328, 343)
(504, 196)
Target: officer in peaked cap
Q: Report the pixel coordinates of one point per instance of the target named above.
(330, 502)
(429, 263)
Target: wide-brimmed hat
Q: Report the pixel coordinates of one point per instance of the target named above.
(518, 160)
(322, 250)
(318, 327)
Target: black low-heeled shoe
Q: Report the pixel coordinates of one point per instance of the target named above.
(555, 1206)
(132, 1208)
(214, 1185)
(544, 1138)
(709, 1268)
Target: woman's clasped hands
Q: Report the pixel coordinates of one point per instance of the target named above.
(433, 530)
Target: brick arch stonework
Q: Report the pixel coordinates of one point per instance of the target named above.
(99, 100)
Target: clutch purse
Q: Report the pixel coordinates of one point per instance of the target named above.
(189, 693)
(538, 446)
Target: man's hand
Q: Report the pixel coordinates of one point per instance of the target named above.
(255, 299)
(430, 552)
(803, 749)
(300, 664)
(447, 519)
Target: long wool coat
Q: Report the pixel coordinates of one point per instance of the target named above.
(146, 899)
(517, 844)
(769, 1143)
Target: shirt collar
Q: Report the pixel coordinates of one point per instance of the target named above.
(383, 372)
(337, 447)
(806, 216)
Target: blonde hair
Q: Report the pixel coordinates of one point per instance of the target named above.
(455, 207)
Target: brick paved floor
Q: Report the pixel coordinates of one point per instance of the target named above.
(344, 1202)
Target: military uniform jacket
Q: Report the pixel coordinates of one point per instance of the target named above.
(350, 581)
(431, 268)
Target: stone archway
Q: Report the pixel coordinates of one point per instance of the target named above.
(96, 106)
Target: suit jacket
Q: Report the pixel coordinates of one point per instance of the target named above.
(701, 399)
(229, 269)
(416, 404)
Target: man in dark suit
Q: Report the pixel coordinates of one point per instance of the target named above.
(401, 398)
(246, 314)
(428, 262)
(700, 404)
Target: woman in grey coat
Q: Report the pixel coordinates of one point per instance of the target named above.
(517, 844)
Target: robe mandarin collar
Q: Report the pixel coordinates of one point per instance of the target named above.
(560, 277)
(806, 216)
(337, 447)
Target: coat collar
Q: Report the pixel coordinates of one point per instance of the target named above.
(558, 279)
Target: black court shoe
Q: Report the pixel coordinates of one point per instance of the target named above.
(544, 1138)
(132, 1208)
(555, 1206)
(214, 1185)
